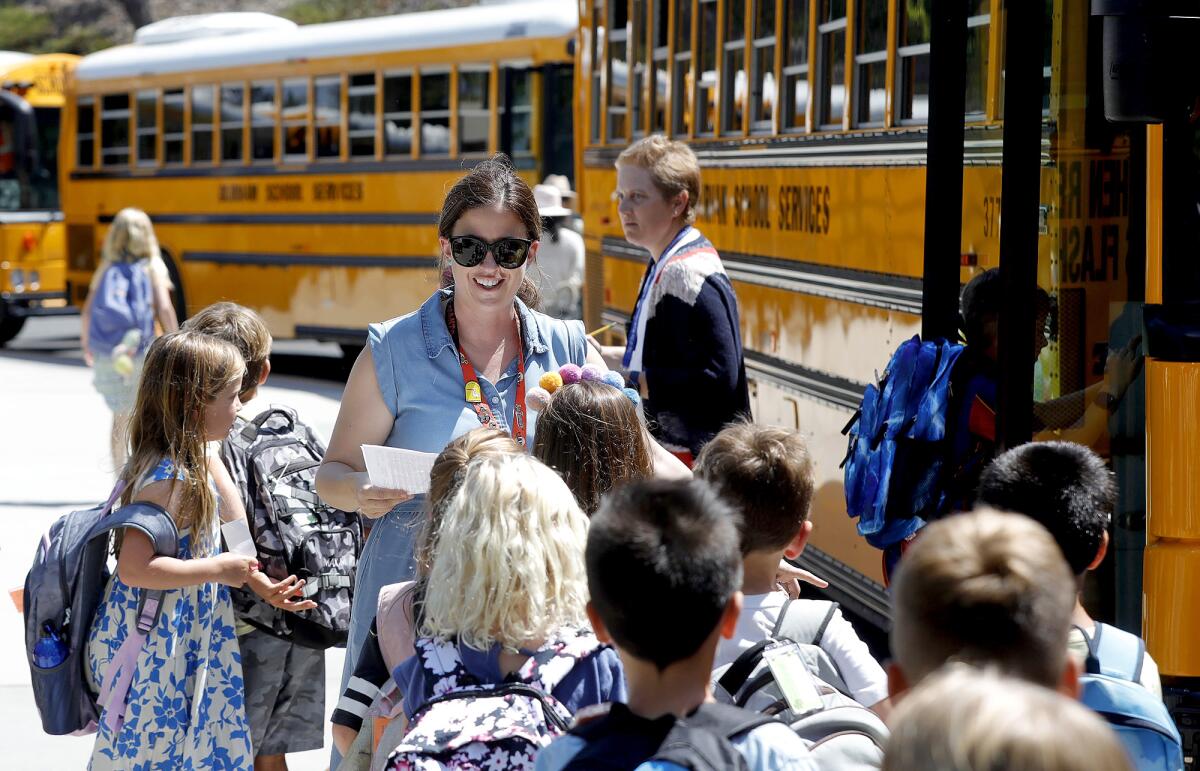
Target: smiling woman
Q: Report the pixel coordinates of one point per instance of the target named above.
(459, 361)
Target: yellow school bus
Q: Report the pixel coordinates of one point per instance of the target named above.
(32, 243)
(300, 170)
(810, 120)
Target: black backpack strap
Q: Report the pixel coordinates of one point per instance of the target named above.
(742, 667)
(702, 741)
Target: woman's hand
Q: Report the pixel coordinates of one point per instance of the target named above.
(376, 501)
(281, 594)
(233, 569)
(788, 576)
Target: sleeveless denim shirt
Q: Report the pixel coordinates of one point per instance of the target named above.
(419, 376)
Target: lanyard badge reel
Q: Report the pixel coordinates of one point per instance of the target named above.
(793, 678)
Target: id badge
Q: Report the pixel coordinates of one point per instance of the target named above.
(793, 678)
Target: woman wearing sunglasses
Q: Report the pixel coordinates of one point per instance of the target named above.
(684, 346)
(465, 358)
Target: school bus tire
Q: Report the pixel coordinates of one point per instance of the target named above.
(10, 323)
(177, 295)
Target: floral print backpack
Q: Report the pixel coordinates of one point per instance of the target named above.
(471, 726)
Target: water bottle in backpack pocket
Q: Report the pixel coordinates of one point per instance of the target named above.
(273, 460)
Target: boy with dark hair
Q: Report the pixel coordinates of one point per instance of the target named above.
(285, 682)
(766, 473)
(1067, 489)
(988, 589)
(664, 568)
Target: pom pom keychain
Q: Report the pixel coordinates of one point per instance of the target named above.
(633, 396)
(538, 399)
(593, 373)
(570, 373)
(551, 381)
(614, 379)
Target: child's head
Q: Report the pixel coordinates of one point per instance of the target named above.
(591, 434)
(514, 570)
(767, 474)
(982, 299)
(1065, 487)
(664, 569)
(244, 328)
(446, 477)
(987, 588)
(964, 719)
(130, 237)
(187, 396)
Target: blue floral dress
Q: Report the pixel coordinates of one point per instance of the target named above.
(186, 702)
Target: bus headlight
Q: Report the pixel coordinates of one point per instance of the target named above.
(35, 280)
(17, 279)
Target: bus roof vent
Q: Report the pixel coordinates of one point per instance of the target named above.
(206, 25)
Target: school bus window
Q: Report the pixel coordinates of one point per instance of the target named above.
(397, 113)
(659, 68)
(870, 61)
(977, 57)
(435, 113)
(637, 69)
(147, 128)
(795, 65)
(361, 103)
(327, 116)
(114, 130)
(764, 90)
(293, 133)
(706, 68)
(733, 68)
(681, 85)
(262, 121)
(474, 117)
(202, 124)
(85, 136)
(912, 60)
(516, 111)
(831, 63)
(598, 33)
(173, 135)
(618, 68)
(233, 120)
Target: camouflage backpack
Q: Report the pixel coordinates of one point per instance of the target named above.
(273, 459)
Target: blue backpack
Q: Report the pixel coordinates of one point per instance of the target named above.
(1110, 686)
(897, 451)
(63, 589)
(123, 302)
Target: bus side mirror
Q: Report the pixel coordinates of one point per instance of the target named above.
(1148, 58)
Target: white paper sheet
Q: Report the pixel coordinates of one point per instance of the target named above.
(397, 468)
(237, 538)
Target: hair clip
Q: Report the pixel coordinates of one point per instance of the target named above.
(538, 398)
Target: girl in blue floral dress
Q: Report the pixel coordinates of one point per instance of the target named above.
(181, 702)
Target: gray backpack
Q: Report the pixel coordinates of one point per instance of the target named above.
(273, 460)
(841, 734)
(63, 590)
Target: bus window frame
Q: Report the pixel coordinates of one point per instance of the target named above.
(683, 65)
(193, 126)
(659, 55)
(798, 71)
(242, 126)
(597, 78)
(826, 31)
(525, 67)
(273, 124)
(180, 136)
(152, 97)
(616, 37)
(698, 87)
(726, 80)
(412, 112)
(973, 23)
(362, 90)
(473, 68)
(283, 123)
(868, 58)
(420, 112)
(91, 102)
(757, 92)
(638, 68)
(317, 123)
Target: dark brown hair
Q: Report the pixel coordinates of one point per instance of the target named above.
(247, 332)
(767, 474)
(590, 434)
(491, 183)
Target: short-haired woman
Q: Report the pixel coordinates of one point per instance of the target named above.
(683, 345)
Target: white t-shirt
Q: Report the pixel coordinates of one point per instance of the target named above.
(862, 673)
(559, 272)
(1079, 650)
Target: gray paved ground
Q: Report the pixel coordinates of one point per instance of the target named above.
(53, 458)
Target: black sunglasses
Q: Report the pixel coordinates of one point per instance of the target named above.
(510, 253)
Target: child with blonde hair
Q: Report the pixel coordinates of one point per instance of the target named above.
(505, 654)
(184, 704)
(965, 719)
(130, 291)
